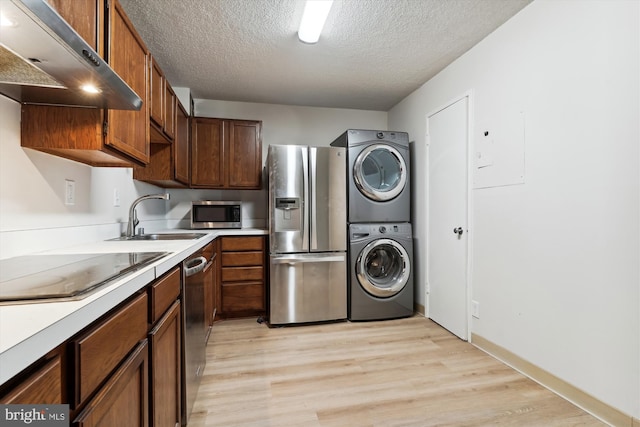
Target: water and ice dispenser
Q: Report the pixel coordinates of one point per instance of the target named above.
(288, 214)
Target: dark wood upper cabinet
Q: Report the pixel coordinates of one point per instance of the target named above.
(86, 17)
(226, 153)
(94, 136)
(207, 165)
(169, 126)
(156, 93)
(181, 146)
(127, 55)
(162, 105)
(168, 165)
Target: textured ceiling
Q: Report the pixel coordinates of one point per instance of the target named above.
(371, 54)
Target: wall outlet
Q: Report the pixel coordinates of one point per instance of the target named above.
(69, 192)
(475, 309)
(116, 197)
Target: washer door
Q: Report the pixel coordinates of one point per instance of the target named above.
(383, 268)
(380, 172)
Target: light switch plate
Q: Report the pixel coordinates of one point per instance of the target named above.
(69, 192)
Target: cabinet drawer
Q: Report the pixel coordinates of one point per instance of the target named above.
(240, 274)
(43, 386)
(99, 351)
(163, 293)
(124, 399)
(253, 243)
(238, 259)
(242, 296)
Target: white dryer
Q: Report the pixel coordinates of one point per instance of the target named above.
(378, 183)
(381, 278)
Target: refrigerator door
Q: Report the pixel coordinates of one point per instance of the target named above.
(327, 177)
(308, 288)
(288, 198)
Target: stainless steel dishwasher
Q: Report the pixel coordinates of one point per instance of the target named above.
(193, 330)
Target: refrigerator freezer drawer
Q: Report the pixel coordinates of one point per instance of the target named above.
(308, 288)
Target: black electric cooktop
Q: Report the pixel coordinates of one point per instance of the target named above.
(41, 278)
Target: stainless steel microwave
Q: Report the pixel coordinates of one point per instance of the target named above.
(216, 214)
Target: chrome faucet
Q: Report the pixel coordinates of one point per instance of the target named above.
(133, 217)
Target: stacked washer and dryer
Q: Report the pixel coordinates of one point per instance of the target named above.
(380, 243)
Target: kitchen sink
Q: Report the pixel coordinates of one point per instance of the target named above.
(163, 236)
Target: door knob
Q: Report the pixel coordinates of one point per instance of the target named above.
(458, 231)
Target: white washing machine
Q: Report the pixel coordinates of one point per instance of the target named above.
(381, 277)
(378, 184)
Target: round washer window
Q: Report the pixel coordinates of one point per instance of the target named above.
(383, 268)
(380, 172)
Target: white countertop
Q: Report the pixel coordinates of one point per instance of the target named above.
(29, 331)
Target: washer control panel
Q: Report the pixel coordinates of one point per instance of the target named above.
(387, 229)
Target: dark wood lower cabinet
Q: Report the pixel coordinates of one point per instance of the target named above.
(44, 386)
(103, 347)
(165, 352)
(242, 276)
(123, 400)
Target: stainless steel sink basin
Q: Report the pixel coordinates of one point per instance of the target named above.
(163, 236)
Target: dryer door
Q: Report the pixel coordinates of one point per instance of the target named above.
(380, 172)
(383, 268)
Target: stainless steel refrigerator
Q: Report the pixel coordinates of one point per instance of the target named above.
(308, 239)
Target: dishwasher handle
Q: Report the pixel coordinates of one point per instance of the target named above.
(194, 266)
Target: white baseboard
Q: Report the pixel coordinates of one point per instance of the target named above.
(573, 394)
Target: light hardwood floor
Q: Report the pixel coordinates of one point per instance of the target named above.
(405, 372)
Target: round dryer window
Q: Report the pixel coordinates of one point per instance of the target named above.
(383, 268)
(380, 172)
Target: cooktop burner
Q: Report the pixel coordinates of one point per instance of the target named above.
(40, 278)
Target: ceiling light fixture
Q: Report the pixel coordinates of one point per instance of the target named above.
(313, 18)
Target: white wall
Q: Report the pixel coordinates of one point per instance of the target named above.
(556, 260)
(33, 216)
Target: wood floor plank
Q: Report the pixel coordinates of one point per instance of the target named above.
(395, 373)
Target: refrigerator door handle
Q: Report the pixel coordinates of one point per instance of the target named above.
(305, 198)
(295, 259)
(313, 198)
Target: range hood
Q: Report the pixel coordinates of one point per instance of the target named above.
(44, 61)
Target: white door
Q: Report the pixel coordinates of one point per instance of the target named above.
(447, 138)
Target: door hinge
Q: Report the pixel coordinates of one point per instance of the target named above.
(105, 128)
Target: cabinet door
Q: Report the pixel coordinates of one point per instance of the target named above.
(207, 136)
(128, 131)
(166, 369)
(181, 146)
(156, 93)
(244, 163)
(85, 16)
(169, 126)
(124, 398)
(44, 386)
